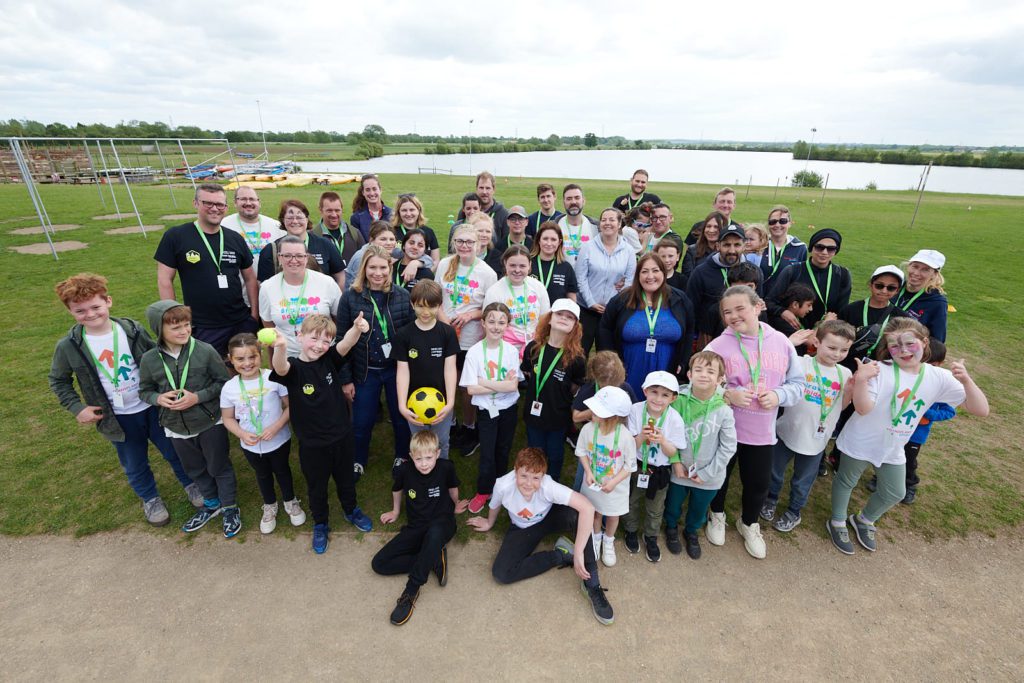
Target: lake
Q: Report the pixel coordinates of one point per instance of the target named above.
(691, 166)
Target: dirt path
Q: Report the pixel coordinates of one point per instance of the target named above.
(131, 606)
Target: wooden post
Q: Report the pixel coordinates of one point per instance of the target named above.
(920, 194)
(821, 202)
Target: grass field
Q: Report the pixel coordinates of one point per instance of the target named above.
(56, 477)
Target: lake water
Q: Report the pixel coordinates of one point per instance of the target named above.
(691, 166)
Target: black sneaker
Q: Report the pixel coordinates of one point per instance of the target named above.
(632, 542)
(823, 468)
(693, 546)
(456, 436)
(470, 443)
(672, 541)
(651, 548)
(910, 497)
(232, 521)
(599, 604)
(403, 610)
(872, 484)
(199, 520)
(441, 568)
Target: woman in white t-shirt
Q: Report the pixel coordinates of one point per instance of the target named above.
(890, 398)
(296, 292)
(525, 297)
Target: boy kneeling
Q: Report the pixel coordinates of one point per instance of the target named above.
(538, 506)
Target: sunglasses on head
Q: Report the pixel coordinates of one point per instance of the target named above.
(883, 287)
(778, 221)
(829, 249)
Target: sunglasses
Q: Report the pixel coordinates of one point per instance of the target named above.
(825, 248)
(778, 221)
(887, 288)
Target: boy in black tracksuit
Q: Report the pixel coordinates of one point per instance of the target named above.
(431, 491)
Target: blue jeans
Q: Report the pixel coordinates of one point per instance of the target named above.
(364, 413)
(139, 429)
(553, 445)
(442, 430)
(805, 471)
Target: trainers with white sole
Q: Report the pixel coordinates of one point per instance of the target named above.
(296, 515)
(269, 521)
(156, 512)
(195, 496)
(608, 551)
(752, 539)
(715, 530)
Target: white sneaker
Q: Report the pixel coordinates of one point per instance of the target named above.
(295, 513)
(608, 551)
(597, 544)
(752, 539)
(715, 530)
(269, 521)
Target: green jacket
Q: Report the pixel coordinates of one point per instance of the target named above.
(206, 375)
(72, 358)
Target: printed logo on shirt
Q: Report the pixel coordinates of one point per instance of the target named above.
(412, 494)
(229, 257)
(523, 308)
(434, 492)
(256, 240)
(525, 513)
(558, 279)
(461, 289)
(603, 459)
(192, 256)
(813, 395)
(330, 378)
(414, 354)
(913, 407)
(559, 375)
(436, 352)
(308, 389)
(293, 310)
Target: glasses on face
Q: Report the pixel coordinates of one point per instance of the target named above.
(778, 221)
(217, 206)
(659, 218)
(517, 218)
(883, 287)
(465, 243)
(640, 225)
(825, 248)
(292, 257)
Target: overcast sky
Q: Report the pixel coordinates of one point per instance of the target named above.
(899, 71)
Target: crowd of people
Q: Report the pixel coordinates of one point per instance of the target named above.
(664, 360)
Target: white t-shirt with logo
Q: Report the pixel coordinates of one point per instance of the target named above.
(798, 425)
(465, 293)
(481, 362)
(873, 437)
(585, 232)
(256, 235)
(527, 305)
(525, 513)
(673, 427)
(124, 369)
(280, 304)
(246, 408)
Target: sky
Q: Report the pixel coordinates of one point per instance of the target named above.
(900, 71)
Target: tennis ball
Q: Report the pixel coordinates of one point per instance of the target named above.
(266, 336)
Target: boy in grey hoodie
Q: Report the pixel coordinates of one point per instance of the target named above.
(184, 376)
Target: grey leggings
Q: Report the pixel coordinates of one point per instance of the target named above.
(892, 486)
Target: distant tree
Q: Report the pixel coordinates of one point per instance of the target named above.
(321, 136)
(590, 140)
(554, 140)
(375, 133)
(807, 179)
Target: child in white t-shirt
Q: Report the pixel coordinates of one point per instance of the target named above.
(538, 506)
(659, 432)
(890, 399)
(255, 409)
(607, 453)
(805, 428)
(526, 297)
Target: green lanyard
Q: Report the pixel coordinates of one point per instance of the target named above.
(725, 277)
(576, 239)
(380, 318)
(202, 236)
(630, 205)
(652, 320)
(906, 306)
(522, 317)
(257, 417)
(755, 373)
(112, 373)
(545, 280)
(659, 425)
(184, 370)
(538, 370)
(775, 257)
(487, 366)
(338, 242)
(611, 453)
(455, 283)
(688, 419)
(880, 329)
(822, 386)
(895, 413)
(293, 309)
(814, 283)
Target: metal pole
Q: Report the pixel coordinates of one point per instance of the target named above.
(95, 176)
(920, 194)
(777, 181)
(749, 181)
(259, 109)
(825, 187)
(37, 201)
(106, 174)
(163, 167)
(471, 147)
(188, 171)
(117, 158)
(234, 164)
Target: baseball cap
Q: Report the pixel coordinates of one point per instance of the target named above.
(518, 211)
(566, 305)
(930, 257)
(887, 270)
(731, 229)
(609, 402)
(660, 378)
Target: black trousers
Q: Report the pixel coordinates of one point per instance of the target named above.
(269, 465)
(912, 450)
(496, 434)
(319, 465)
(589, 320)
(415, 551)
(205, 459)
(517, 561)
(756, 477)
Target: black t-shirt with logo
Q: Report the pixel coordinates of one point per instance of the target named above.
(426, 495)
(563, 280)
(425, 351)
(183, 249)
(557, 393)
(319, 411)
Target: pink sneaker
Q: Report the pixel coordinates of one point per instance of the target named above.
(479, 502)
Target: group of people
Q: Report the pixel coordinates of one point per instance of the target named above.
(730, 346)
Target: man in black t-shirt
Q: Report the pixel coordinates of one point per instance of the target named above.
(637, 193)
(212, 264)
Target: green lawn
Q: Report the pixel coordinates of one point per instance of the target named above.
(57, 477)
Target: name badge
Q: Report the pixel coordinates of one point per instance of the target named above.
(595, 487)
(118, 399)
(536, 408)
(691, 472)
(492, 410)
(643, 480)
(652, 344)
(385, 348)
(820, 433)
(222, 281)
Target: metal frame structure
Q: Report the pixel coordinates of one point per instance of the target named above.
(21, 161)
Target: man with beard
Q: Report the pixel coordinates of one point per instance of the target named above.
(710, 278)
(345, 237)
(637, 193)
(577, 229)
